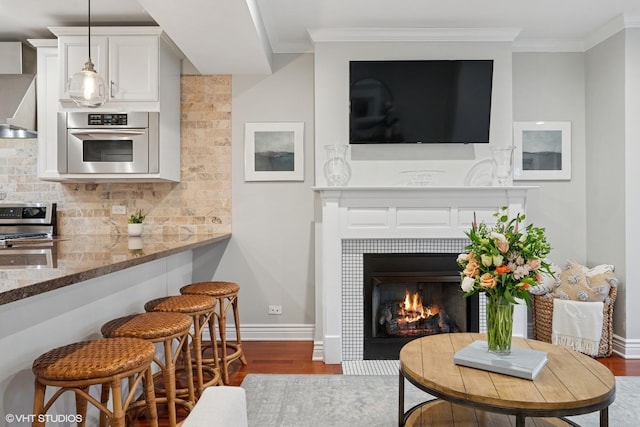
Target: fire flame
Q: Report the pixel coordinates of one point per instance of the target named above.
(412, 310)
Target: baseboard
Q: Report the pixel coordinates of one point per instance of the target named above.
(318, 351)
(626, 348)
(273, 332)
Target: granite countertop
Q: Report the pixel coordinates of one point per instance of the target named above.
(82, 257)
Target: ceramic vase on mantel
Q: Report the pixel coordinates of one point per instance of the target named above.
(336, 169)
(502, 158)
(499, 314)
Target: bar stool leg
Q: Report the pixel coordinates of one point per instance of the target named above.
(236, 318)
(214, 345)
(169, 377)
(81, 407)
(117, 420)
(149, 396)
(38, 403)
(222, 322)
(197, 350)
(104, 399)
(186, 360)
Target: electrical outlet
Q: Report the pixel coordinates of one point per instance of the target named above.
(275, 309)
(118, 210)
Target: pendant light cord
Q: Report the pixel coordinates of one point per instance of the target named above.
(89, 27)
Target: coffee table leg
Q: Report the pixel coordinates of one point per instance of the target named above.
(401, 400)
(604, 417)
(520, 421)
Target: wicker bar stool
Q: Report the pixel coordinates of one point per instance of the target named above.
(161, 328)
(106, 362)
(201, 309)
(227, 295)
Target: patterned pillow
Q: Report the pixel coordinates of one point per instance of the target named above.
(549, 282)
(575, 285)
(602, 282)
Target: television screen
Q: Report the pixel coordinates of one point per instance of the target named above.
(441, 101)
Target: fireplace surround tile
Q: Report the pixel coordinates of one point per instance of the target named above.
(352, 281)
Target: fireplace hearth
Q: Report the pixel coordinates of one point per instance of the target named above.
(410, 295)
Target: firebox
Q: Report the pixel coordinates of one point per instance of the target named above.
(407, 296)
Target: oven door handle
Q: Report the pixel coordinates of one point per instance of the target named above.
(112, 132)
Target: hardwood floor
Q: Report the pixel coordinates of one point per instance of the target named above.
(294, 357)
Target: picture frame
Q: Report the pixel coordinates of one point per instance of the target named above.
(542, 150)
(274, 151)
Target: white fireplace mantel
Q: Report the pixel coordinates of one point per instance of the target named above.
(393, 213)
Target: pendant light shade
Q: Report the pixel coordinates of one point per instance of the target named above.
(87, 88)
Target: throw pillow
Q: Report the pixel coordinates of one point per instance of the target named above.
(549, 282)
(602, 282)
(574, 284)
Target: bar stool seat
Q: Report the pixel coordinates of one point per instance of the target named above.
(106, 362)
(227, 295)
(201, 309)
(161, 328)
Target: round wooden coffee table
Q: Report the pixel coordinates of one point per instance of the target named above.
(570, 384)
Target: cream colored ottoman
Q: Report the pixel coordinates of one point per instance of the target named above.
(222, 406)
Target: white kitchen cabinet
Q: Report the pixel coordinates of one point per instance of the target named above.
(47, 102)
(128, 58)
(133, 68)
(146, 66)
(72, 55)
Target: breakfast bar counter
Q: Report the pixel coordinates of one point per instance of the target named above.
(88, 281)
(78, 258)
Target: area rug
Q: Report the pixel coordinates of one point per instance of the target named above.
(372, 401)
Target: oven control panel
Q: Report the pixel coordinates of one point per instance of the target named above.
(27, 213)
(107, 119)
(23, 213)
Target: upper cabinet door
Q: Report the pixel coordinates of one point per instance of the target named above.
(133, 68)
(73, 55)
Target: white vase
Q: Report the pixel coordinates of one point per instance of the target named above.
(502, 158)
(135, 242)
(134, 229)
(336, 169)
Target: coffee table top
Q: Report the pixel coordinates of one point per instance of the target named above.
(570, 383)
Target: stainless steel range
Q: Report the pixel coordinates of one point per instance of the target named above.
(26, 235)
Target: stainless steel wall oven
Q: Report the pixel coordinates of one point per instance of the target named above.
(108, 143)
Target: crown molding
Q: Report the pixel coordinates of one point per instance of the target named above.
(612, 27)
(542, 45)
(337, 35)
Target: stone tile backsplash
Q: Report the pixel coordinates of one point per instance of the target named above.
(199, 203)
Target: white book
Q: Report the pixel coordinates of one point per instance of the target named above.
(521, 362)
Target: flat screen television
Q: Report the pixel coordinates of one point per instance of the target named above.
(420, 101)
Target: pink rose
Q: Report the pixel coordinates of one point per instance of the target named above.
(503, 246)
(534, 264)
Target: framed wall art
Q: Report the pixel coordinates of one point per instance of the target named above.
(542, 151)
(274, 151)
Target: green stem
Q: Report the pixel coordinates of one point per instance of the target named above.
(499, 323)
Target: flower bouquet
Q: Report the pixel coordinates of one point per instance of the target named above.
(503, 261)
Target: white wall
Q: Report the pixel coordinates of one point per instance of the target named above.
(550, 87)
(613, 108)
(632, 195)
(382, 164)
(605, 162)
(270, 254)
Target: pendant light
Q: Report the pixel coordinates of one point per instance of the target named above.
(87, 88)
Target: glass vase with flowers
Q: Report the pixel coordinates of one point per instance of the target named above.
(503, 261)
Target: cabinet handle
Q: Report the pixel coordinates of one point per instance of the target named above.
(111, 83)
